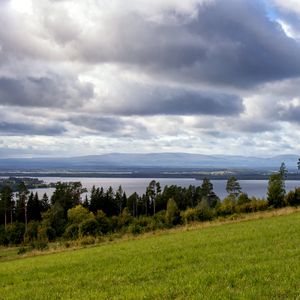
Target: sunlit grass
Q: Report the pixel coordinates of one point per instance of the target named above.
(255, 259)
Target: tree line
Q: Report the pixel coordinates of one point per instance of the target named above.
(66, 216)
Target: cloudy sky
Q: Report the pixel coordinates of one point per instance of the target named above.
(198, 76)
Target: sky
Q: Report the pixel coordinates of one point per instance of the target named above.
(196, 76)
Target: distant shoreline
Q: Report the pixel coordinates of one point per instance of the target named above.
(198, 176)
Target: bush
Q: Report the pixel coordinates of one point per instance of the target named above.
(252, 206)
(32, 231)
(204, 212)
(89, 227)
(72, 232)
(242, 199)
(87, 240)
(172, 216)
(227, 206)
(103, 222)
(3, 236)
(189, 215)
(135, 229)
(22, 250)
(39, 245)
(15, 233)
(124, 218)
(293, 198)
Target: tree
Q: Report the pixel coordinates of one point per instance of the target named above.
(233, 187)
(172, 213)
(298, 163)
(33, 208)
(276, 190)
(67, 194)
(78, 214)
(21, 205)
(44, 203)
(208, 194)
(283, 172)
(206, 187)
(132, 204)
(119, 199)
(6, 203)
(152, 191)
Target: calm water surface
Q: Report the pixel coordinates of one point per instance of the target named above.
(257, 188)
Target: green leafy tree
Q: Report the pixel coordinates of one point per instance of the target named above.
(172, 213)
(67, 194)
(78, 214)
(233, 187)
(276, 190)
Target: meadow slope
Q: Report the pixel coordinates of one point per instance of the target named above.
(255, 259)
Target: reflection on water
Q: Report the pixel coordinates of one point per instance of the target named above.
(257, 188)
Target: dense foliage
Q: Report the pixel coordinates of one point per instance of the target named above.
(66, 215)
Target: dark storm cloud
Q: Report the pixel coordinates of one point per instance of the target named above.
(53, 91)
(18, 129)
(289, 113)
(228, 42)
(164, 101)
(112, 126)
(255, 126)
(100, 124)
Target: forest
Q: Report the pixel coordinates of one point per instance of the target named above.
(28, 220)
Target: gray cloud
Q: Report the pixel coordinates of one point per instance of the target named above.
(49, 91)
(98, 74)
(228, 43)
(109, 126)
(149, 100)
(18, 129)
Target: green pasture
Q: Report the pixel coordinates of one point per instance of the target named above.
(257, 259)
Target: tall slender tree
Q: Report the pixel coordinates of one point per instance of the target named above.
(6, 203)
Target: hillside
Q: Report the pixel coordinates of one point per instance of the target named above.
(256, 259)
(130, 161)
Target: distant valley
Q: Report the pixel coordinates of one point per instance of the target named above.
(152, 164)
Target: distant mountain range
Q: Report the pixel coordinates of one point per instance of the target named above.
(118, 161)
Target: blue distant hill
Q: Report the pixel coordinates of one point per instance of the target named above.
(150, 160)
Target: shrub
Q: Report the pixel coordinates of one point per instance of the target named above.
(22, 250)
(78, 214)
(32, 231)
(204, 212)
(189, 215)
(242, 199)
(89, 227)
(227, 207)
(3, 236)
(87, 240)
(39, 245)
(172, 216)
(103, 222)
(72, 232)
(293, 198)
(124, 218)
(15, 233)
(135, 229)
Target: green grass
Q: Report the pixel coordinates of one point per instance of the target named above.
(257, 259)
(6, 253)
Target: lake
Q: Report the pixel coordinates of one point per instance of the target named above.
(257, 188)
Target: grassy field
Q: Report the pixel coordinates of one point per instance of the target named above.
(255, 259)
